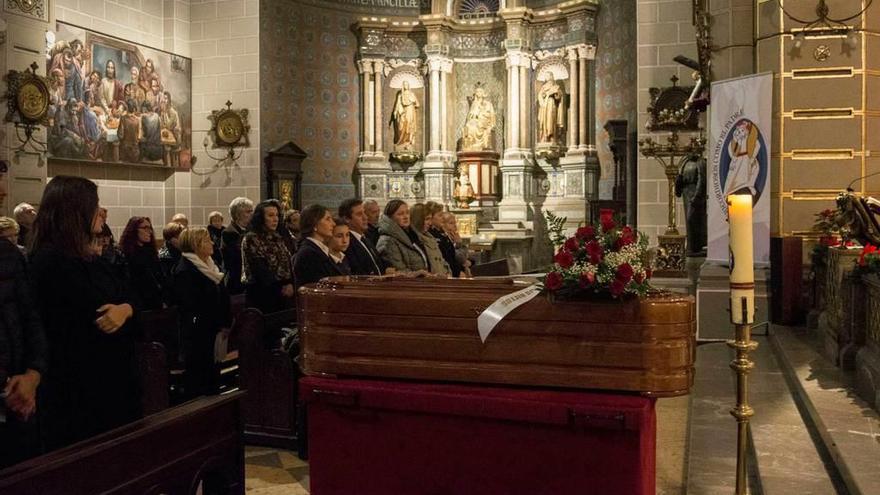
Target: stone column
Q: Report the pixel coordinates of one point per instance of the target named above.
(591, 98)
(366, 68)
(377, 105)
(525, 98)
(434, 90)
(444, 116)
(584, 94)
(513, 115)
(573, 103)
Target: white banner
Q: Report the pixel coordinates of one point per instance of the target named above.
(502, 306)
(739, 158)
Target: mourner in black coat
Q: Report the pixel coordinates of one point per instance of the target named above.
(230, 248)
(23, 358)
(86, 309)
(313, 262)
(203, 303)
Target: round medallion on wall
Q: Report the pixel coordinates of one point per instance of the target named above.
(822, 53)
(230, 128)
(33, 99)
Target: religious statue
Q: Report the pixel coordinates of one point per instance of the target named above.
(480, 121)
(463, 192)
(690, 186)
(404, 118)
(551, 111)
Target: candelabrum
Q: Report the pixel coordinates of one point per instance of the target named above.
(671, 157)
(743, 412)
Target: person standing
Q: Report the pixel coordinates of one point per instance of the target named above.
(267, 269)
(240, 211)
(23, 358)
(25, 214)
(86, 308)
(362, 256)
(204, 309)
(138, 244)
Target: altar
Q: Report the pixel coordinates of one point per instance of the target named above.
(485, 110)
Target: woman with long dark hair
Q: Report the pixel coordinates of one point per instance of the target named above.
(138, 244)
(86, 309)
(267, 270)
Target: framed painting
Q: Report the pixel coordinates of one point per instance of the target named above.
(115, 101)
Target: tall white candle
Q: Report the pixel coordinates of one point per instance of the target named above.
(742, 259)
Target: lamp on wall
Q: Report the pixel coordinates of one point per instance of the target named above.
(27, 100)
(823, 24)
(229, 131)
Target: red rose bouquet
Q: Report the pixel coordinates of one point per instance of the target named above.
(604, 258)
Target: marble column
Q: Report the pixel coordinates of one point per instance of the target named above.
(573, 103)
(444, 116)
(377, 105)
(434, 90)
(525, 121)
(513, 114)
(584, 94)
(366, 68)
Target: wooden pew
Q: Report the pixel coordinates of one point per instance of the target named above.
(153, 375)
(172, 452)
(268, 375)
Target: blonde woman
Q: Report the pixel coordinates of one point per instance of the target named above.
(204, 310)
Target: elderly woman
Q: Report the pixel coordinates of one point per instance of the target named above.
(138, 244)
(313, 261)
(241, 210)
(91, 386)
(266, 262)
(9, 230)
(204, 310)
(437, 264)
(399, 245)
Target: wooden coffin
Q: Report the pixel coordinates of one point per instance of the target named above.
(427, 330)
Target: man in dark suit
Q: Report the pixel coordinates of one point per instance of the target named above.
(371, 209)
(240, 211)
(361, 254)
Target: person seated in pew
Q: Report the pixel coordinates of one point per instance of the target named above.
(23, 357)
(362, 256)
(169, 255)
(313, 262)
(339, 244)
(371, 209)
(440, 230)
(138, 244)
(267, 271)
(399, 245)
(437, 264)
(204, 308)
(86, 309)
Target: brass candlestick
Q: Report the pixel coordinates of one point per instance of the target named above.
(742, 365)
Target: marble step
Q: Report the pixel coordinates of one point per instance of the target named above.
(783, 458)
(847, 427)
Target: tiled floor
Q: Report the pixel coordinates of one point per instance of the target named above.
(275, 472)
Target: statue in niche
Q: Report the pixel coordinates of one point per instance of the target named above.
(690, 186)
(551, 111)
(463, 192)
(480, 121)
(404, 118)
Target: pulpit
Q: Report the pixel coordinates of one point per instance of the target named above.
(284, 174)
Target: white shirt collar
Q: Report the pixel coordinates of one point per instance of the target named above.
(334, 258)
(321, 245)
(356, 235)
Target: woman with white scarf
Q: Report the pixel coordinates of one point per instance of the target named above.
(203, 303)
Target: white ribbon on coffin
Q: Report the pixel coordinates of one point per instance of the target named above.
(502, 307)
